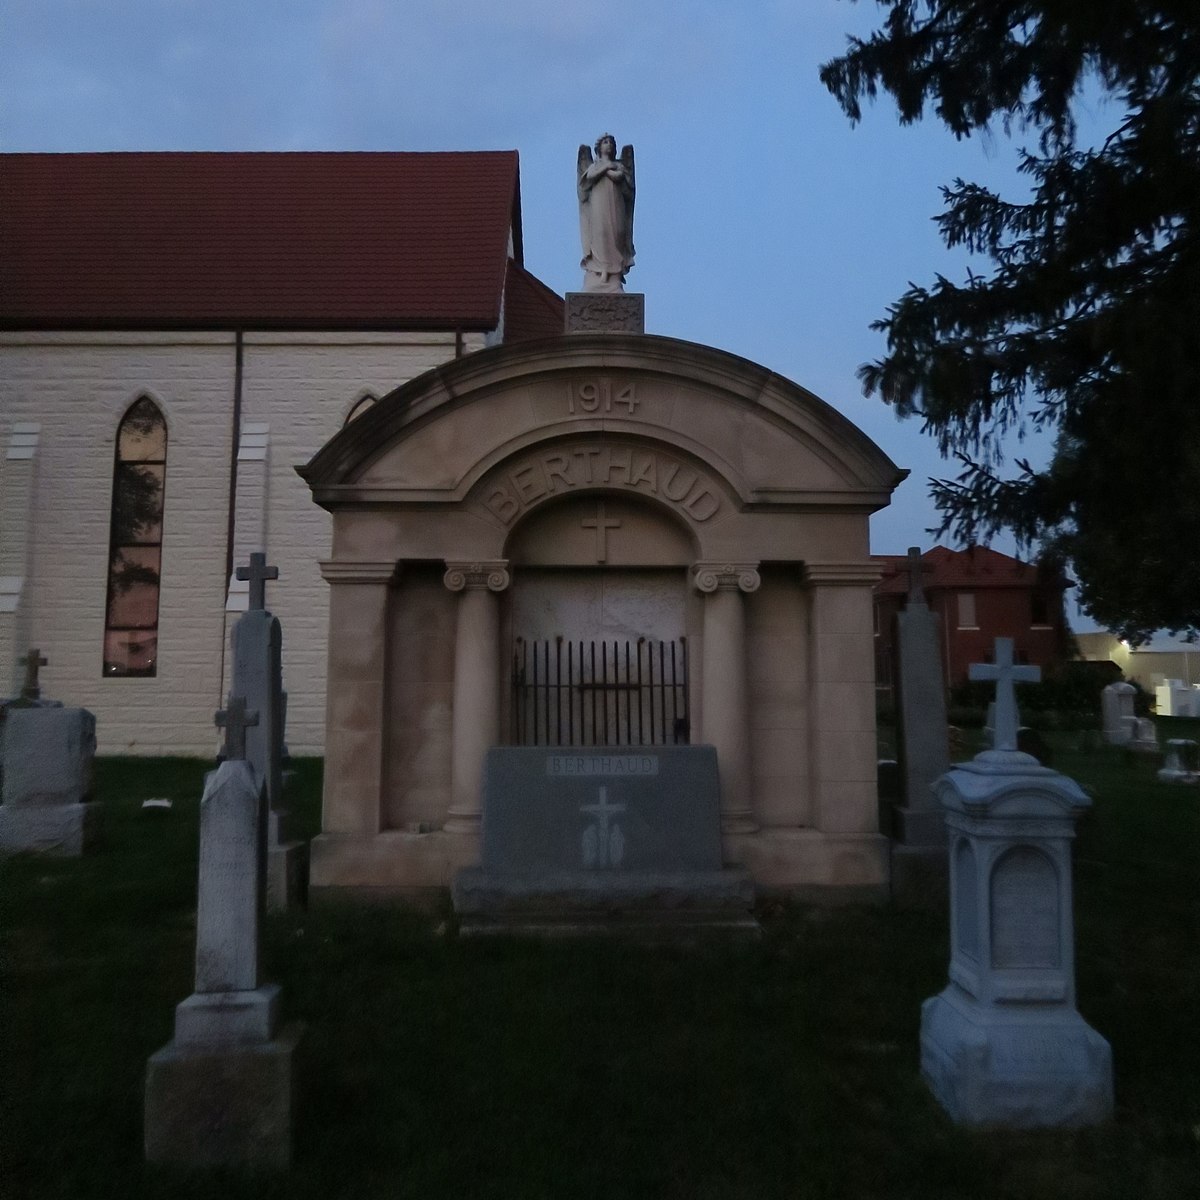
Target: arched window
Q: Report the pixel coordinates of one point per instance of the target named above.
(135, 542)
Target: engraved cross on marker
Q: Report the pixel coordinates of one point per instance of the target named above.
(257, 573)
(601, 525)
(235, 720)
(1005, 674)
(603, 845)
(33, 660)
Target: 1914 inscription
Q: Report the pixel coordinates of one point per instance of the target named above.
(601, 396)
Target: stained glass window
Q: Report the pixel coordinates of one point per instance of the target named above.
(135, 542)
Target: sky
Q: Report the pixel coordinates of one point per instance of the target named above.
(766, 224)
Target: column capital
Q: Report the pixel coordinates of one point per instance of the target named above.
(843, 574)
(340, 571)
(720, 576)
(472, 576)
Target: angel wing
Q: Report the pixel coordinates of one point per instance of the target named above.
(583, 160)
(631, 192)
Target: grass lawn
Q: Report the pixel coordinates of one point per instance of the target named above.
(435, 1067)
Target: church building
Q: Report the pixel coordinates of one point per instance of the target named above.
(493, 527)
(177, 333)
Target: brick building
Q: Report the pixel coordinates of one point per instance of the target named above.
(177, 333)
(978, 595)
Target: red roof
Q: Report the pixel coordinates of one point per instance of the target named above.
(256, 241)
(531, 309)
(975, 568)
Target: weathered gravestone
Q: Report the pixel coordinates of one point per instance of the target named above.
(1120, 722)
(924, 739)
(220, 1093)
(258, 676)
(602, 837)
(1003, 1045)
(47, 757)
(1178, 768)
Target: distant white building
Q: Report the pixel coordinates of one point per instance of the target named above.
(1149, 665)
(177, 333)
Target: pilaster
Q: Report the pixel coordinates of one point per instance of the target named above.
(725, 712)
(18, 495)
(842, 698)
(476, 715)
(356, 698)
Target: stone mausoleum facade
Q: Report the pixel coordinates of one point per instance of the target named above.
(600, 539)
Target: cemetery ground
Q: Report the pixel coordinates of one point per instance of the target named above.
(442, 1067)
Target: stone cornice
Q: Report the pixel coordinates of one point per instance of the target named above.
(843, 574)
(342, 571)
(716, 576)
(491, 574)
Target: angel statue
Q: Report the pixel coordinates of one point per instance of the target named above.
(606, 190)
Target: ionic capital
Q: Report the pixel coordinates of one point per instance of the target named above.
(473, 576)
(712, 577)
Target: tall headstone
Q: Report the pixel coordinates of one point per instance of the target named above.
(1003, 1045)
(220, 1093)
(258, 677)
(46, 752)
(924, 729)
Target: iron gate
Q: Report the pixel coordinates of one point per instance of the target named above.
(568, 693)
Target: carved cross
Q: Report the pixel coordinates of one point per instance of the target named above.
(916, 568)
(601, 526)
(235, 720)
(33, 660)
(258, 573)
(602, 811)
(1005, 673)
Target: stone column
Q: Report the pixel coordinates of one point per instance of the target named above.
(476, 719)
(356, 695)
(725, 707)
(841, 700)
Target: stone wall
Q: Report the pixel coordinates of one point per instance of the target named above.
(54, 527)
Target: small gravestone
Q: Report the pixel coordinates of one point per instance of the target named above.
(258, 676)
(220, 1093)
(48, 751)
(1177, 768)
(1145, 739)
(1120, 721)
(602, 837)
(1003, 1045)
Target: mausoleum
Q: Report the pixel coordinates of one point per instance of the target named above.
(603, 540)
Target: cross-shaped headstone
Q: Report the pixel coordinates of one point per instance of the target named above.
(601, 526)
(33, 660)
(235, 720)
(257, 573)
(916, 568)
(1005, 674)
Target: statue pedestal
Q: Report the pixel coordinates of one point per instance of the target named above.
(605, 312)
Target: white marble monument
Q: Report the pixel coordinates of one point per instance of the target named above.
(1003, 1046)
(220, 1093)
